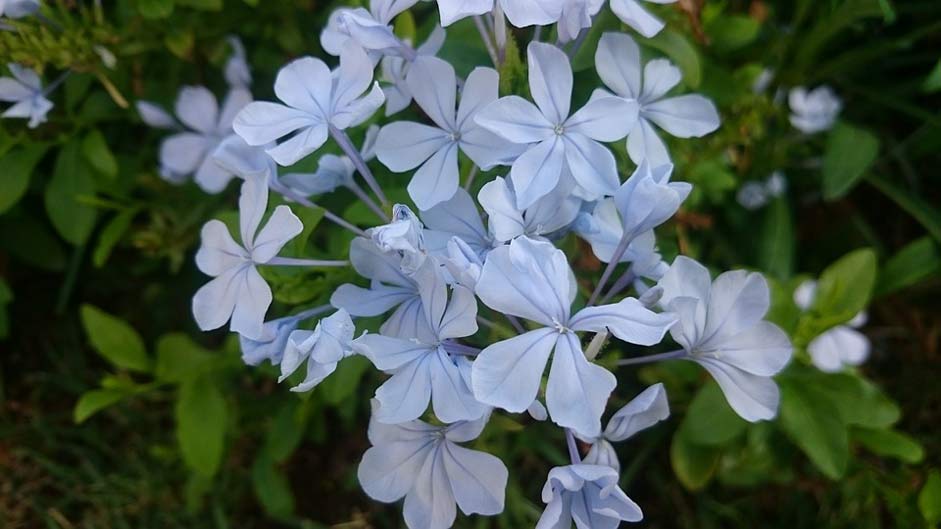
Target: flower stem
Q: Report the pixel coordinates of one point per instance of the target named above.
(622, 282)
(612, 264)
(499, 32)
(292, 261)
(485, 36)
(361, 194)
(346, 145)
(55, 84)
(573, 448)
(672, 355)
(460, 349)
(310, 313)
(515, 323)
(329, 215)
(470, 177)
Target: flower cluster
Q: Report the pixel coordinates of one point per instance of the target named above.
(471, 257)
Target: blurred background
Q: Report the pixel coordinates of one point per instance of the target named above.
(116, 412)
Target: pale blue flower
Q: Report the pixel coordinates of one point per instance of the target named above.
(190, 152)
(405, 145)
(237, 291)
(333, 171)
(315, 100)
(426, 465)
(721, 328)
(520, 13)
(403, 235)
(752, 195)
(532, 280)
(618, 63)
(837, 347)
(555, 140)
(395, 70)
(549, 214)
(642, 412)
(271, 344)
(456, 217)
(370, 30)
(237, 72)
(323, 348)
(576, 15)
(421, 367)
(587, 495)
(25, 91)
(631, 13)
(18, 8)
(813, 111)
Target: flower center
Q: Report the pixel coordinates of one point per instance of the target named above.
(559, 129)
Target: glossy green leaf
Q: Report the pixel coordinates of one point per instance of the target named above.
(99, 155)
(201, 416)
(929, 499)
(850, 152)
(810, 423)
(776, 242)
(115, 339)
(180, 359)
(91, 402)
(694, 465)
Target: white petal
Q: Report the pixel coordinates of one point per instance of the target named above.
(386, 10)
(630, 12)
(437, 179)
(281, 228)
(550, 80)
(404, 145)
(253, 201)
(430, 504)
(212, 177)
(763, 349)
(660, 76)
(480, 89)
(507, 374)
(261, 122)
(405, 396)
(460, 318)
(197, 108)
(254, 298)
(628, 319)
(360, 301)
(359, 110)
(577, 389)
(150, 113)
(304, 84)
(218, 252)
(617, 60)
(214, 302)
(838, 347)
(487, 149)
(388, 353)
(184, 152)
(522, 13)
(498, 200)
(738, 300)
(452, 399)
(234, 102)
(388, 471)
(352, 78)
(453, 10)
(642, 412)
(515, 119)
(459, 217)
(685, 278)
(371, 262)
(643, 143)
(478, 479)
(604, 118)
(537, 171)
(306, 141)
(687, 116)
(591, 164)
(753, 397)
(433, 85)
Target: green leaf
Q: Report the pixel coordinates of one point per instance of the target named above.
(850, 152)
(286, 431)
(205, 5)
(694, 465)
(916, 261)
(310, 218)
(344, 381)
(926, 214)
(405, 27)
(30, 240)
(709, 419)
(272, 488)
(71, 180)
(858, 401)
(932, 82)
(114, 339)
(809, 422)
(91, 402)
(180, 359)
(682, 52)
(98, 154)
(844, 287)
(776, 242)
(200, 425)
(155, 9)
(890, 443)
(110, 235)
(18, 165)
(929, 499)
(731, 32)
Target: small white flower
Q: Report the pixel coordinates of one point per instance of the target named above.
(839, 346)
(369, 29)
(323, 348)
(642, 412)
(813, 111)
(25, 91)
(587, 495)
(550, 213)
(18, 8)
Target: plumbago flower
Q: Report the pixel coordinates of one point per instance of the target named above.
(332, 171)
(555, 141)
(25, 91)
(323, 348)
(645, 410)
(839, 346)
(532, 280)
(575, 16)
(18, 8)
(631, 13)
(426, 465)
(316, 101)
(395, 71)
(813, 111)
(422, 367)
(549, 214)
(617, 60)
(588, 495)
(369, 29)
(520, 13)
(721, 328)
(207, 126)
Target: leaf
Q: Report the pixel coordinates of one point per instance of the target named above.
(272, 488)
(890, 443)
(154, 9)
(926, 214)
(114, 339)
(913, 263)
(677, 47)
(929, 499)
(110, 235)
(844, 288)
(310, 218)
(731, 32)
(71, 180)
(28, 239)
(205, 5)
(286, 431)
(809, 422)
(709, 419)
(850, 152)
(98, 154)
(180, 359)
(91, 402)
(344, 381)
(776, 242)
(404, 27)
(6, 297)
(932, 82)
(200, 425)
(694, 465)
(18, 165)
(858, 401)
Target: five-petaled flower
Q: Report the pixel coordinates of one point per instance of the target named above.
(25, 91)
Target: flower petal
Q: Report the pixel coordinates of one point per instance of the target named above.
(437, 179)
(537, 171)
(577, 390)
(550, 80)
(515, 119)
(686, 116)
(628, 319)
(478, 480)
(282, 226)
(433, 85)
(197, 108)
(507, 374)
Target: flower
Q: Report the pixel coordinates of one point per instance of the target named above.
(550, 213)
(752, 195)
(588, 495)
(237, 290)
(25, 91)
(554, 140)
(332, 171)
(645, 410)
(631, 13)
(532, 280)
(323, 348)
(426, 465)
(18, 8)
(721, 328)
(617, 61)
(190, 152)
(316, 100)
(404, 235)
(237, 72)
(839, 346)
(270, 345)
(575, 16)
(420, 365)
(368, 29)
(395, 70)
(520, 13)
(405, 145)
(813, 111)
(456, 217)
